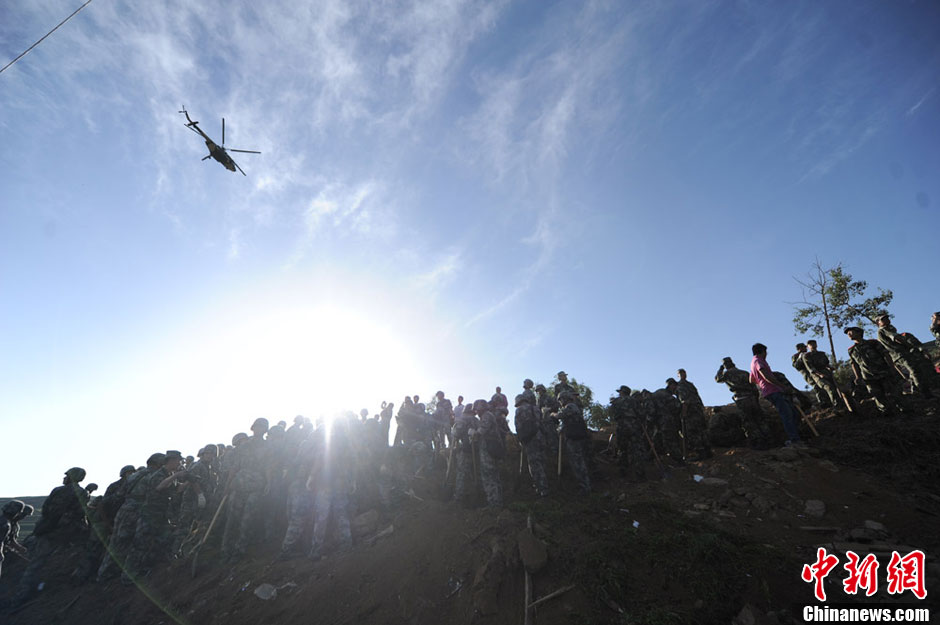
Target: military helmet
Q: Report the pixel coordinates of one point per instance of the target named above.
(158, 459)
(480, 405)
(210, 449)
(75, 474)
(12, 508)
(173, 454)
(260, 422)
(127, 469)
(539, 387)
(238, 438)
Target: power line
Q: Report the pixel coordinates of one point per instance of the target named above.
(44, 36)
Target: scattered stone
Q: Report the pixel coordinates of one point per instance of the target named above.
(366, 523)
(739, 502)
(762, 504)
(863, 535)
(829, 465)
(701, 506)
(815, 508)
(266, 592)
(748, 615)
(532, 551)
(875, 525)
(714, 481)
(740, 491)
(785, 454)
(724, 497)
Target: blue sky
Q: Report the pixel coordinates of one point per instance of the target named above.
(450, 195)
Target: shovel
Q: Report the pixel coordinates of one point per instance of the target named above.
(205, 536)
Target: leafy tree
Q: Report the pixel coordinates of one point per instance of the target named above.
(596, 415)
(832, 298)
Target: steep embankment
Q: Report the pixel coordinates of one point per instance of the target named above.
(672, 550)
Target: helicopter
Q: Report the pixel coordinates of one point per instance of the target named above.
(216, 151)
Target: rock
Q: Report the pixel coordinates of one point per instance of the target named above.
(750, 496)
(785, 454)
(713, 481)
(366, 523)
(738, 502)
(266, 592)
(532, 551)
(747, 616)
(815, 508)
(762, 504)
(875, 525)
(701, 506)
(741, 490)
(829, 465)
(863, 535)
(724, 497)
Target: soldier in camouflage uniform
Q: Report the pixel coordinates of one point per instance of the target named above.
(125, 521)
(747, 399)
(797, 360)
(724, 429)
(247, 480)
(332, 481)
(492, 448)
(648, 416)
(199, 485)
(61, 525)
(153, 534)
(527, 422)
(276, 492)
(563, 386)
(935, 327)
(692, 416)
(670, 420)
(11, 511)
(464, 425)
(299, 498)
(817, 363)
(575, 432)
(442, 418)
(548, 407)
(631, 443)
(795, 396)
(872, 364)
(907, 352)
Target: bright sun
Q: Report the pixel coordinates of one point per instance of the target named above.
(313, 361)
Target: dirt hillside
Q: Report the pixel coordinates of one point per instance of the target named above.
(708, 542)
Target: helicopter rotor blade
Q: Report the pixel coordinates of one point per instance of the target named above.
(239, 168)
(245, 151)
(205, 157)
(223, 132)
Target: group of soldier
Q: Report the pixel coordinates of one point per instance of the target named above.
(881, 367)
(281, 482)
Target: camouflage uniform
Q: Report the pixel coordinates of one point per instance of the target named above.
(248, 485)
(125, 523)
(668, 409)
(907, 351)
(817, 363)
(935, 330)
(800, 365)
(575, 433)
(492, 450)
(872, 360)
(527, 421)
(332, 481)
(11, 510)
(692, 412)
(152, 535)
(62, 524)
(463, 452)
(795, 396)
(724, 429)
(548, 425)
(199, 474)
(746, 398)
(631, 442)
(443, 420)
(299, 499)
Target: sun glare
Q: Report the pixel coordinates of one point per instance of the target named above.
(314, 362)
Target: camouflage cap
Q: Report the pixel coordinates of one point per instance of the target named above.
(260, 422)
(128, 468)
(670, 381)
(883, 315)
(540, 387)
(800, 345)
(851, 328)
(210, 449)
(173, 454)
(158, 459)
(561, 373)
(624, 389)
(75, 474)
(13, 508)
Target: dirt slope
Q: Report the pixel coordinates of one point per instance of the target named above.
(672, 550)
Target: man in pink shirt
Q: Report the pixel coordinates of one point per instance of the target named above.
(773, 391)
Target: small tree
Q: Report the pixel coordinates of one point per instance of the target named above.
(595, 415)
(832, 297)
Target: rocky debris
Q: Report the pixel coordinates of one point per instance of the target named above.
(875, 526)
(784, 454)
(365, 523)
(487, 580)
(266, 592)
(713, 481)
(829, 465)
(749, 615)
(814, 508)
(532, 551)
